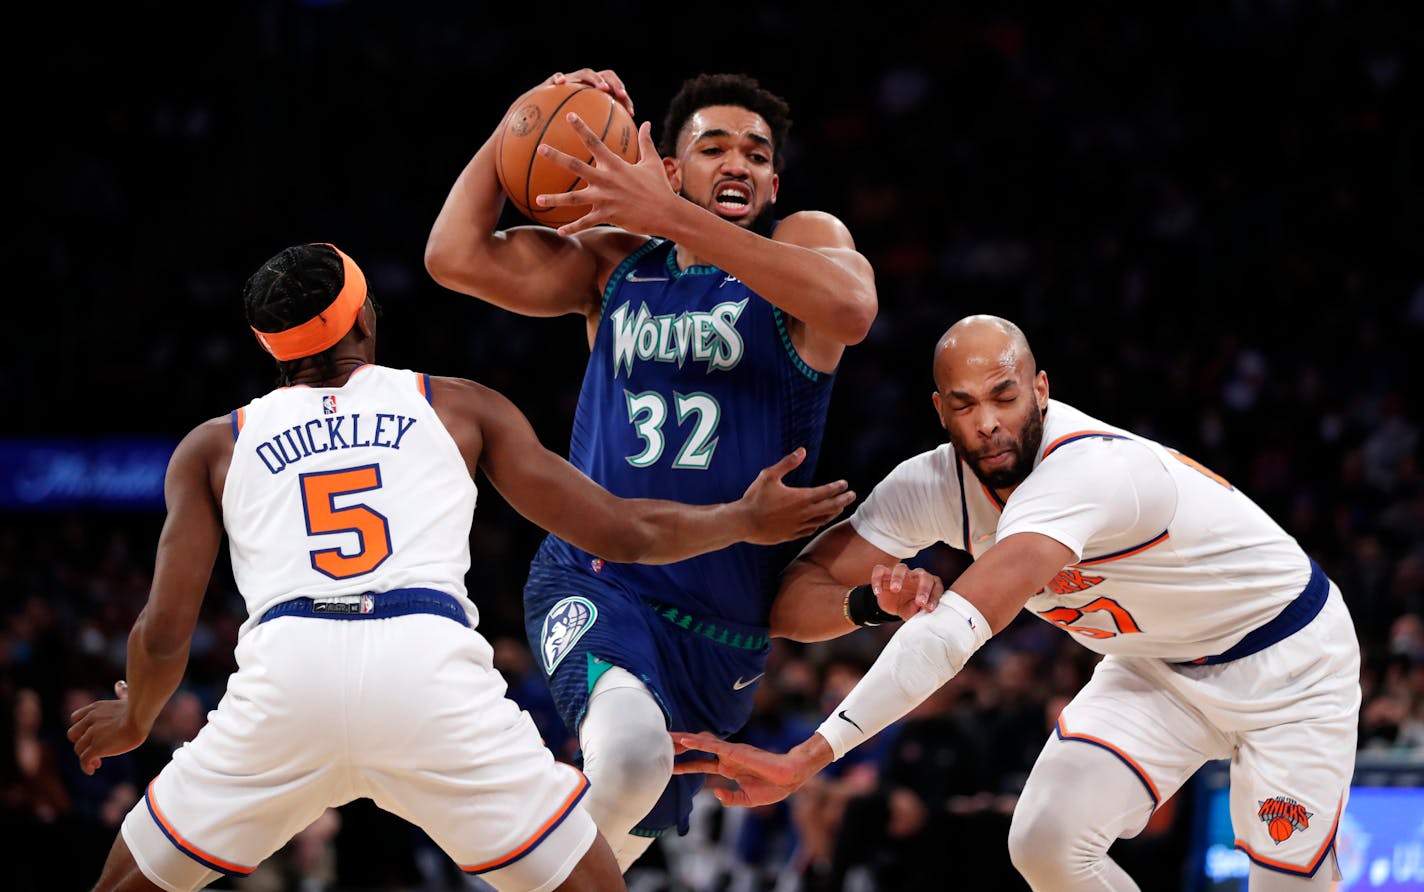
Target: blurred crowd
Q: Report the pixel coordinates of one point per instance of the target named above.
(1208, 219)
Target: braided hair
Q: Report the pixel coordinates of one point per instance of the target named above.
(726, 89)
(291, 288)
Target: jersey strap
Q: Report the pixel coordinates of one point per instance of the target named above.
(1296, 616)
(373, 605)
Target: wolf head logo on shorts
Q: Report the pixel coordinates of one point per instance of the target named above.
(1283, 816)
(563, 627)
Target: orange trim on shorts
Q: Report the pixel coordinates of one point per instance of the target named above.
(1291, 868)
(187, 848)
(544, 830)
(328, 326)
(1065, 734)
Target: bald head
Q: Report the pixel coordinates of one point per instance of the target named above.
(991, 398)
(976, 346)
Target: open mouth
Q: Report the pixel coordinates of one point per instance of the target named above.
(732, 199)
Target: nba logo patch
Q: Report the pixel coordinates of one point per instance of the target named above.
(368, 603)
(563, 627)
(328, 404)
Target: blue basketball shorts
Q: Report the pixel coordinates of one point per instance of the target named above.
(703, 671)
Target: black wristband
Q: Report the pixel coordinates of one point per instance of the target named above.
(862, 609)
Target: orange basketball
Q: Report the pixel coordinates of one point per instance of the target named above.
(1280, 828)
(540, 116)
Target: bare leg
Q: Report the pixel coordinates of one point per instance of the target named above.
(597, 871)
(121, 873)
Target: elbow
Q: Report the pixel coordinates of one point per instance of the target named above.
(439, 262)
(858, 317)
(161, 637)
(635, 544)
(862, 318)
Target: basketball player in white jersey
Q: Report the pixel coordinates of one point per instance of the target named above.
(347, 499)
(1223, 639)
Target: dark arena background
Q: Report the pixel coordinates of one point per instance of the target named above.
(1207, 217)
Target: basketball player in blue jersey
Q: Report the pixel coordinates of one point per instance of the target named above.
(715, 332)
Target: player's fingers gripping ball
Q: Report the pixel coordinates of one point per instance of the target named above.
(541, 116)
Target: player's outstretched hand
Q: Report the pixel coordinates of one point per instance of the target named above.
(104, 728)
(762, 777)
(779, 512)
(636, 197)
(905, 592)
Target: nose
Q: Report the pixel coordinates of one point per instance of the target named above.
(734, 164)
(986, 421)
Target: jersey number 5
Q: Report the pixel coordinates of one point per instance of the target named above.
(373, 533)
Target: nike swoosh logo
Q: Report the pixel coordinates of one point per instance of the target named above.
(632, 277)
(842, 715)
(739, 684)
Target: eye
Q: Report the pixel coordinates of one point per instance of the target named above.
(760, 158)
(711, 150)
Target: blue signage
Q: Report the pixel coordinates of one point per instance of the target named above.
(124, 473)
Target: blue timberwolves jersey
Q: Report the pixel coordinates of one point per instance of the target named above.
(692, 388)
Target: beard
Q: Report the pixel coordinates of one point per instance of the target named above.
(1024, 449)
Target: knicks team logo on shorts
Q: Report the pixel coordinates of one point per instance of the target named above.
(563, 627)
(1283, 816)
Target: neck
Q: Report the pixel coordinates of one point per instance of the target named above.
(685, 258)
(318, 374)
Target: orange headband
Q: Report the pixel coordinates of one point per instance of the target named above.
(328, 326)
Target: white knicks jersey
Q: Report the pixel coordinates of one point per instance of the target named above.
(347, 490)
(1172, 561)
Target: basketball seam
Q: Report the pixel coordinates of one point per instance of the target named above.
(534, 155)
(607, 124)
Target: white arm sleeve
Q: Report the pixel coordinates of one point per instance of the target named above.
(915, 506)
(924, 654)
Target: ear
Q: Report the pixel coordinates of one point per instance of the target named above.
(939, 409)
(366, 321)
(775, 186)
(1040, 390)
(674, 173)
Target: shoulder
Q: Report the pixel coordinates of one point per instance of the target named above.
(813, 229)
(202, 456)
(925, 474)
(610, 245)
(211, 437)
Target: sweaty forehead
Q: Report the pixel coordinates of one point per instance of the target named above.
(981, 367)
(732, 120)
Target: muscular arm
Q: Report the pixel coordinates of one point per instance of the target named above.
(526, 269)
(187, 547)
(809, 268)
(555, 495)
(923, 654)
(810, 604)
(158, 644)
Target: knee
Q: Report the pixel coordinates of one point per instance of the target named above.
(648, 753)
(1042, 845)
(628, 754)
